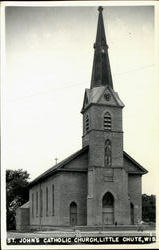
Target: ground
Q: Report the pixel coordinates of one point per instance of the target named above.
(75, 233)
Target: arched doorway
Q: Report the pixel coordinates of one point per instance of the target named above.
(132, 213)
(73, 214)
(108, 209)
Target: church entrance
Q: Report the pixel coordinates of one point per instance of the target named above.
(108, 209)
(132, 213)
(73, 214)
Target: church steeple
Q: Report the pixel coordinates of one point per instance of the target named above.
(101, 73)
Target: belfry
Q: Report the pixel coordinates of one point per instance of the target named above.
(99, 185)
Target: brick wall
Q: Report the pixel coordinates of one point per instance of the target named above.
(73, 189)
(134, 189)
(118, 187)
(22, 219)
(69, 186)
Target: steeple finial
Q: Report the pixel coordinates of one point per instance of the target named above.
(101, 73)
(100, 8)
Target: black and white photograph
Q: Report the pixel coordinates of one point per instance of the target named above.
(80, 114)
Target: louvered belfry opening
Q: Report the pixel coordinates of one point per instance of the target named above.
(107, 121)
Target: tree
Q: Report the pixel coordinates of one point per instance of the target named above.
(148, 208)
(16, 193)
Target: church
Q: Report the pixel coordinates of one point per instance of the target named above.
(99, 185)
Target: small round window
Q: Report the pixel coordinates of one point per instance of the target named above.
(107, 96)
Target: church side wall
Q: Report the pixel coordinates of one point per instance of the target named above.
(134, 188)
(41, 215)
(69, 185)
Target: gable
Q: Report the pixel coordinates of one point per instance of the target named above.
(101, 95)
(75, 162)
(131, 166)
(108, 98)
(78, 163)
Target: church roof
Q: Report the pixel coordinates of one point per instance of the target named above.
(26, 205)
(132, 168)
(58, 166)
(101, 73)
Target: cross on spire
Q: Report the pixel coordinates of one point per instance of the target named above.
(100, 8)
(101, 73)
(56, 159)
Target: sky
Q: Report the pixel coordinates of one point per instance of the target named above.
(49, 57)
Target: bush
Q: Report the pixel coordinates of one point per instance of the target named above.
(17, 193)
(148, 208)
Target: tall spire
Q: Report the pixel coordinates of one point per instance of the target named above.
(101, 73)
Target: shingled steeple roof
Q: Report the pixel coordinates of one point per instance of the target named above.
(101, 73)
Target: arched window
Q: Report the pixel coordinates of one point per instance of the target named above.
(53, 202)
(132, 213)
(108, 153)
(108, 208)
(73, 214)
(41, 202)
(37, 203)
(107, 121)
(32, 204)
(47, 200)
(87, 124)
